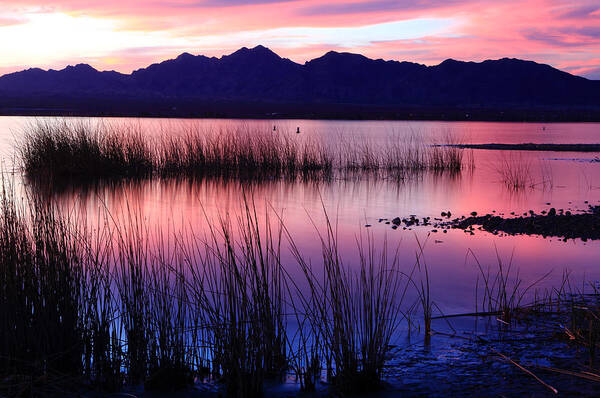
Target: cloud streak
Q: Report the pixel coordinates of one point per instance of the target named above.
(563, 33)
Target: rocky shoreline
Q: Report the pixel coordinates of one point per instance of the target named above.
(531, 147)
(559, 223)
(563, 224)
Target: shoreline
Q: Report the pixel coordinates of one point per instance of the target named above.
(561, 224)
(191, 109)
(530, 147)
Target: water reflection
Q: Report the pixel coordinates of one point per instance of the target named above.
(356, 199)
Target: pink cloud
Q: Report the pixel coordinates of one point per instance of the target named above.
(563, 33)
(8, 21)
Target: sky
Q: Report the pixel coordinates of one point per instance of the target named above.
(125, 35)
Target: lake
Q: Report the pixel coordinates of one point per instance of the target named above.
(561, 180)
(360, 204)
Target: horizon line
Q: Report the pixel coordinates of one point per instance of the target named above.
(260, 46)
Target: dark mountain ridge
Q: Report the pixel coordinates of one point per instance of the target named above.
(250, 82)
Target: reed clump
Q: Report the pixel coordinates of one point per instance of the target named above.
(515, 172)
(83, 150)
(100, 308)
(236, 282)
(352, 313)
(55, 325)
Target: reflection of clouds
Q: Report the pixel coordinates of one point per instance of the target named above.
(356, 194)
(177, 206)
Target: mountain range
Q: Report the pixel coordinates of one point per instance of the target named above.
(257, 82)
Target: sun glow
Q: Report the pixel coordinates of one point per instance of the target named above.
(129, 34)
(46, 38)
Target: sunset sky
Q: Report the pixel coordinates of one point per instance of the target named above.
(128, 34)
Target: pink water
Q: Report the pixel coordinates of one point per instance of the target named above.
(566, 180)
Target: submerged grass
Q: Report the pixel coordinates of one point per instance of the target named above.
(83, 150)
(515, 172)
(503, 291)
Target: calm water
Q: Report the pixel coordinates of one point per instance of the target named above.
(566, 180)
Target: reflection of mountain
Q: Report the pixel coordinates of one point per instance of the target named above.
(257, 81)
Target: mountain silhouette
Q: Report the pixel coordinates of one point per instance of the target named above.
(257, 82)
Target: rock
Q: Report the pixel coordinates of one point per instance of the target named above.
(474, 213)
(396, 221)
(367, 225)
(444, 214)
(568, 226)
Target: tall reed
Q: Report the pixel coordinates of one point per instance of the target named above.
(353, 314)
(100, 307)
(80, 149)
(515, 172)
(237, 286)
(41, 300)
(83, 150)
(503, 292)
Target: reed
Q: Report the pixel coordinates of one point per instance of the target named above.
(40, 300)
(423, 288)
(97, 308)
(503, 291)
(81, 151)
(237, 290)
(515, 172)
(103, 341)
(353, 314)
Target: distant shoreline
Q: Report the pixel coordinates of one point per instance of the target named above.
(265, 111)
(531, 147)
